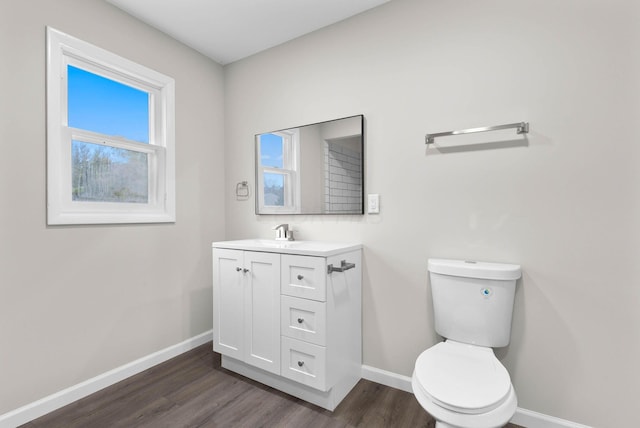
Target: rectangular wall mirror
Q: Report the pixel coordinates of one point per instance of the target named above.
(312, 169)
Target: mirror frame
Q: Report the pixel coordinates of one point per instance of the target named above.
(292, 175)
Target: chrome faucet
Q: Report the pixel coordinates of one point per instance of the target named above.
(283, 233)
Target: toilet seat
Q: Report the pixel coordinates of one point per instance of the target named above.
(462, 378)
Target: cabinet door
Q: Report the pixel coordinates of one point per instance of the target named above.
(228, 306)
(262, 310)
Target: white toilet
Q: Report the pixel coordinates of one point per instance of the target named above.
(460, 382)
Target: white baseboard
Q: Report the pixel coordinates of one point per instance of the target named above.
(523, 417)
(60, 399)
(384, 377)
(531, 419)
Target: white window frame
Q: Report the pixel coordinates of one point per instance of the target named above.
(290, 166)
(64, 50)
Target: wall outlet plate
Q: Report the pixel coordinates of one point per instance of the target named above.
(373, 203)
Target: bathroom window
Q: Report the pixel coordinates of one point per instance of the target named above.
(278, 172)
(110, 137)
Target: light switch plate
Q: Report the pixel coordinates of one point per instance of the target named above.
(373, 203)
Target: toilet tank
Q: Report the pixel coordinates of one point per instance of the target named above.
(473, 301)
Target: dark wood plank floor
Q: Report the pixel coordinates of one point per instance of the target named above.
(192, 390)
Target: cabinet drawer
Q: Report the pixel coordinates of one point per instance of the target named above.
(304, 276)
(304, 319)
(304, 362)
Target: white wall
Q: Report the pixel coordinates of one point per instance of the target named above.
(564, 205)
(76, 302)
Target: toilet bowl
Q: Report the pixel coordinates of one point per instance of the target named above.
(460, 382)
(463, 386)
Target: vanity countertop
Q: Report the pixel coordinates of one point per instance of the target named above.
(302, 248)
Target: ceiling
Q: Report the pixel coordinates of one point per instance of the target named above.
(229, 30)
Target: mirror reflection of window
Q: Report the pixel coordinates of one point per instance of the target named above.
(271, 150)
(311, 169)
(278, 172)
(273, 189)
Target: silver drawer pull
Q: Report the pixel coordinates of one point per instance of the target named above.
(300, 320)
(238, 269)
(300, 363)
(343, 266)
(300, 277)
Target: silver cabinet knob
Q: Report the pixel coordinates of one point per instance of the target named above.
(238, 269)
(245, 270)
(300, 277)
(300, 320)
(300, 363)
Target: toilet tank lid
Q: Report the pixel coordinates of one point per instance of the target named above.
(475, 269)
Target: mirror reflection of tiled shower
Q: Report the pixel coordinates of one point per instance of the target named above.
(342, 175)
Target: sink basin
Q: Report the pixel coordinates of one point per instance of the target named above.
(305, 248)
(273, 243)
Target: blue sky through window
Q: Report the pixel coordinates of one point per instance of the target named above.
(102, 105)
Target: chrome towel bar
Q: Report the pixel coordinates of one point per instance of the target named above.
(343, 266)
(520, 127)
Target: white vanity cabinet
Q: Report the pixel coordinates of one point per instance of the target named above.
(246, 307)
(309, 342)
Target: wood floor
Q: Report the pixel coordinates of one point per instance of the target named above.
(192, 390)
